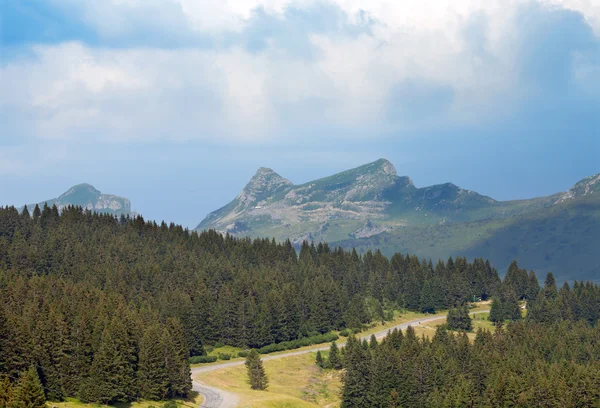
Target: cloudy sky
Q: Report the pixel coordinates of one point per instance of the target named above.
(176, 103)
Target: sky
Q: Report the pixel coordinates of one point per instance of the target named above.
(174, 104)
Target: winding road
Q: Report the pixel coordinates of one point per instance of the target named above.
(217, 398)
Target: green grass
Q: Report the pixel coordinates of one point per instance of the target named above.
(193, 402)
(294, 382)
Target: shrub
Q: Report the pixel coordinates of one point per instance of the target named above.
(208, 349)
(218, 344)
(302, 342)
(170, 404)
(345, 333)
(243, 353)
(224, 356)
(202, 359)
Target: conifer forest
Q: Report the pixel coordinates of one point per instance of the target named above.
(108, 309)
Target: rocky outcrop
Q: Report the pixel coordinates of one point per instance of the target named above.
(89, 198)
(587, 186)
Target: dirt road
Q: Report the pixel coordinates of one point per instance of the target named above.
(216, 398)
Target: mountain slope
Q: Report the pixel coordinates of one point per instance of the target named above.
(86, 196)
(364, 201)
(562, 238)
(372, 207)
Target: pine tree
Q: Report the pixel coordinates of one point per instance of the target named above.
(319, 359)
(357, 375)
(496, 312)
(533, 286)
(257, 377)
(373, 342)
(29, 392)
(152, 373)
(176, 360)
(6, 391)
(550, 291)
(459, 319)
(108, 380)
(25, 214)
(428, 300)
(334, 357)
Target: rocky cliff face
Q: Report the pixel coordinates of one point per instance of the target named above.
(587, 186)
(89, 198)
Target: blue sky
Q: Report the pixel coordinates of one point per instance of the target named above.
(176, 103)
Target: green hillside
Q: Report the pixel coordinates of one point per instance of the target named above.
(563, 238)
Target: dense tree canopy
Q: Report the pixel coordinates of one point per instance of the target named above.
(525, 365)
(110, 309)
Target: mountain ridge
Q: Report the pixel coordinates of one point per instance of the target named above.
(371, 207)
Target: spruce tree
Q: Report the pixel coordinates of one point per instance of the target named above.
(334, 357)
(459, 319)
(356, 377)
(6, 391)
(176, 360)
(533, 286)
(428, 301)
(550, 290)
(257, 377)
(319, 359)
(29, 392)
(496, 311)
(152, 373)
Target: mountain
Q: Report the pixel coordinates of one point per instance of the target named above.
(88, 197)
(372, 207)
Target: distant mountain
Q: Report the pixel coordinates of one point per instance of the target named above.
(88, 197)
(372, 207)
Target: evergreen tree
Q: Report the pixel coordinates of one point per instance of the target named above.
(459, 319)
(496, 311)
(319, 359)
(428, 300)
(29, 393)
(550, 291)
(6, 391)
(357, 374)
(107, 382)
(152, 373)
(257, 377)
(533, 286)
(334, 357)
(176, 360)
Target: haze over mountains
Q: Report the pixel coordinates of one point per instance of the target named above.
(372, 207)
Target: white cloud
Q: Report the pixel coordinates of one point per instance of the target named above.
(229, 94)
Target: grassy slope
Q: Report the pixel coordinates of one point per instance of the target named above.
(293, 382)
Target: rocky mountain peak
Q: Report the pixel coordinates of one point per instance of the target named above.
(264, 181)
(262, 185)
(385, 166)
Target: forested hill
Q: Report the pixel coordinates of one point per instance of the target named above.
(109, 309)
